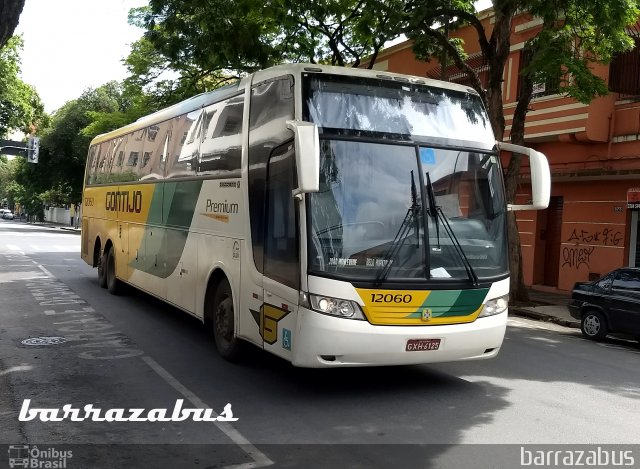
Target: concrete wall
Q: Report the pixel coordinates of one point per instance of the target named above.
(57, 215)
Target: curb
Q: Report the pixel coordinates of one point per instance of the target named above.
(54, 226)
(544, 317)
(72, 230)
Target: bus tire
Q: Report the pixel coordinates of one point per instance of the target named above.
(114, 286)
(102, 271)
(223, 322)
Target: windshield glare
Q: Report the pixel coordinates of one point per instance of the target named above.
(385, 108)
(372, 194)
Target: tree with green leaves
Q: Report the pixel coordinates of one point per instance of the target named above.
(7, 176)
(10, 11)
(574, 36)
(154, 82)
(64, 145)
(213, 38)
(20, 104)
(204, 37)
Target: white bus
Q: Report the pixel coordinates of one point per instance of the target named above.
(332, 216)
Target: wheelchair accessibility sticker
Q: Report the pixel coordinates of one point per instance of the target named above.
(286, 339)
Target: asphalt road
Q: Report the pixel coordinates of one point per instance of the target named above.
(548, 386)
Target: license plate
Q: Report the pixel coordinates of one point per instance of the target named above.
(421, 345)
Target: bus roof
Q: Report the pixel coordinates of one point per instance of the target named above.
(295, 69)
(210, 97)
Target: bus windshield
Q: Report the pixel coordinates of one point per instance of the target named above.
(373, 211)
(398, 110)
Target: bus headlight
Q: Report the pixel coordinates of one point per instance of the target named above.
(495, 306)
(336, 307)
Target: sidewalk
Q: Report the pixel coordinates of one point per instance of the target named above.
(49, 224)
(547, 304)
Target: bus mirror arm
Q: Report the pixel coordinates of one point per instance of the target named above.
(540, 177)
(307, 146)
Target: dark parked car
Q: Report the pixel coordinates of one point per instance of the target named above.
(610, 304)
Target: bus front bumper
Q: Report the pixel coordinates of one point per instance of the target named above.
(326, 341)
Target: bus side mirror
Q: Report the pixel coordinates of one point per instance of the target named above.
(540, 177)
(307, 156)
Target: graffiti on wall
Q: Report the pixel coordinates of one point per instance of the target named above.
(575, 257)
(585, 243)
(604, 237)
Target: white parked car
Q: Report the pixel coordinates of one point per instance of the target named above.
(6, 214)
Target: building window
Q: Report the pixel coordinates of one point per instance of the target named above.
(133, 158)
(624, 71)
(146, 158)
(453, 74)
(547, 87)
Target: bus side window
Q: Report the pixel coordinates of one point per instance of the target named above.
(97, 160)
(120, 159)
(221, 147)
(271, 106)
(281, 261)
(183, 151)
(90, 163)
(135, 144)
(102, 171)
(153, 151)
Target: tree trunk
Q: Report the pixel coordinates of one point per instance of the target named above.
(518, 289)
(9, 15)
(500, 40)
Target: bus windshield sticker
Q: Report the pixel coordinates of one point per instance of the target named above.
(342, 262)
(427, 155)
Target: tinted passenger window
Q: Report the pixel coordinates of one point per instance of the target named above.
(271, 106)
(604, 284)
(152, 164)
(96, 162)
(182, 156)
(121, 171)
(90, 163)
(628, 281)
(104, 163)
(281, 241)
(221, 146)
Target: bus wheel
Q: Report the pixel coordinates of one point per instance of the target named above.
(223, 321)
(102, 270)
(113, 284)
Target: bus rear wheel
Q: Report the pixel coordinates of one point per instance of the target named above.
(102, 270)
(223, 322)
(113, 284)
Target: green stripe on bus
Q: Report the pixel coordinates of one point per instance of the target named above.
(452, 303)
(173, 206)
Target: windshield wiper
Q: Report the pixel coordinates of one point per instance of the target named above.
(435, 211)
(433, 208)
(401, 235)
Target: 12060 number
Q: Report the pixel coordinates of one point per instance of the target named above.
(390, 298)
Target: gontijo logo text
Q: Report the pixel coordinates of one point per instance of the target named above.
(124, 201)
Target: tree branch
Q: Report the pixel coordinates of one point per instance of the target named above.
(487, 51)
(461, 64)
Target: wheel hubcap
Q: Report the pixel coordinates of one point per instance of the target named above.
(591, 325)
